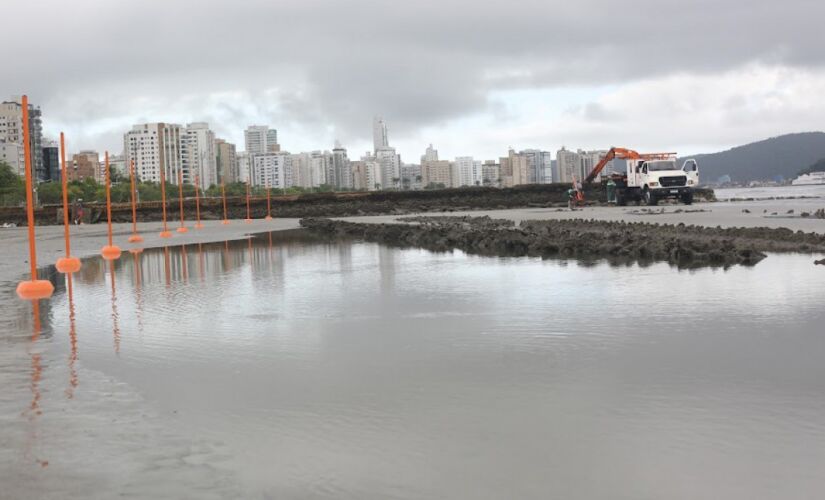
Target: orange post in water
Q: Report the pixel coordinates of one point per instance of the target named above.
(223, 195)
(268, 202)
(198, 224)
(34, 289)
(110, 251)
(165, 233)
(135, 238)
(67, 264)
(182, 228)
(248, 216)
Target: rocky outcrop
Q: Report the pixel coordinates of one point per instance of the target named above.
(684, 246)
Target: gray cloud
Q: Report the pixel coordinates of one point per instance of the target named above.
(317, 65)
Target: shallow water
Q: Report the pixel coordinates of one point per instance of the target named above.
(770, 192)
(300, 369)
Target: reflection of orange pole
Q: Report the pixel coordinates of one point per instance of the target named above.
(166, 265)
(248, 216)
(184, 263)
(223, 194)
(268, 203)
(67, 264)
(73, 382)
(135, 238)
(165, 233)
(182, 228)
(34, 289)
(109, 252)
(200, 261)
(115, 328)
(198, 224)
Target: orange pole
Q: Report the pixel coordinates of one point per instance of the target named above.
(248, 217)
(109, 252)
(165, 233)
(34, 289)
(268, 202)
(182, 228)
(223, 194)
(67, 264)
(135, 238)
(198, 224)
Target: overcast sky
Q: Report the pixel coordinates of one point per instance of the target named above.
(471, 77)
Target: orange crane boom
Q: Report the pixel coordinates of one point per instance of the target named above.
(624, 153)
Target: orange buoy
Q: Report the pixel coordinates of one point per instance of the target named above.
(135, 238)
(110, 251)
(223, 195)
(35, 288)
(67, 264)
(198, 224)
(182, 228)
(248, 219)
(165, 233)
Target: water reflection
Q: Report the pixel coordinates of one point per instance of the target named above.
(371, 371)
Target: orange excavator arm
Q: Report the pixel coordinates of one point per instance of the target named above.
(612, 153)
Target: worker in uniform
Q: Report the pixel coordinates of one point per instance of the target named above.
(611, 191)
(572, 196)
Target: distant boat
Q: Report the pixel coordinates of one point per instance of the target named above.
(810, 179)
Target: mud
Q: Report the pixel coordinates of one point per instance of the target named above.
(338, 204)
(618, 242)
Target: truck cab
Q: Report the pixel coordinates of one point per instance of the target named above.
(654, 180)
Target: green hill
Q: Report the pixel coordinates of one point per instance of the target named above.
(785, 155)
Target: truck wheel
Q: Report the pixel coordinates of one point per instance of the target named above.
(650, 198)
(687, 198)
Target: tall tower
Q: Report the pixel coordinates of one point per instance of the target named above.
(379, 133)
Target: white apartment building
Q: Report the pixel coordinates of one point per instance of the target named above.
(117, 163)
(380, 138)
(309, 170)
(11, 131)
(365, 174)
(244, 167)
(390, 167)
(154, 147)
(429, 155)
(539, 166)
(198, 157)
(271, 170)
(466, 172)
(260, 139)
(11, 154)
(491, 174)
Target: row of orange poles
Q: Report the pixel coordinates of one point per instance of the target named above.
(35, 288)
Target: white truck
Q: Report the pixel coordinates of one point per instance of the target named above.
(649, 177)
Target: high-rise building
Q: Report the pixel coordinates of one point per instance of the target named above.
(568, 164)
(271, 170)
(491, 173)
(589, 159)
(539, 166)
(429, 155)
(436, 173)
(226, 161)
(83, 165)
(390, 165)
(198, 158)
(260, 139)
(154, 147)
(117, 165)
(244, 167)
(379, 134)
(11, 153)
(341, 170)
(365, 174)
(466, 172)
(411, 177)
(11, 131)
(51, 160)
(514, 170)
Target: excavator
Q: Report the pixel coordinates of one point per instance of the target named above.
(649, 177)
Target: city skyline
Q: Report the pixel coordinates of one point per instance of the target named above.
(564, 77)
